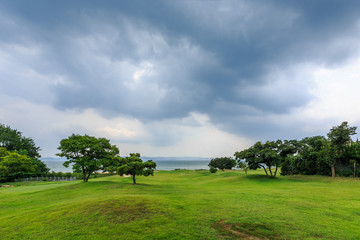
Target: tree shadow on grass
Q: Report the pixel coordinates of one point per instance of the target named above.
(261, 177)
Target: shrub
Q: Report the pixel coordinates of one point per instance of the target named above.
(213, 170)
(222, 163)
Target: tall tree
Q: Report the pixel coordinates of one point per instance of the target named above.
(87, 153)
(134, 166)
(339, 137)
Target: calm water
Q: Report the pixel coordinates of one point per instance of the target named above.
(57, 165)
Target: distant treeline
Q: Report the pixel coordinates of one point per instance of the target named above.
(335, 155)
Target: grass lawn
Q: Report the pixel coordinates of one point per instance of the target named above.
(184, 205)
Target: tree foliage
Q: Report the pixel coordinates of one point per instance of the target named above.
(14, 141)
(262, 155)
(222, 163)
(14, 165)
(339, 137)
(87, 153)
(212, 169)
(243, 165)
(311, 158)
(311, 155)
(134, 166)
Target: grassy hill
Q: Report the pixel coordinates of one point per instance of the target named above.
(184, 205)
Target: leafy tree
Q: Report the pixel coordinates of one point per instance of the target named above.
(12, 140)
(288, 147)
(339, 137)
(263, 156)
(134, 166)
(309, 158)
(87, 153)
(14, 165)
(243, 165)
(222, 163)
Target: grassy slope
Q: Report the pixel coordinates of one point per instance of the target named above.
(184, 205)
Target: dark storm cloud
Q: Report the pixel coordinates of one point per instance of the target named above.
(157, 60)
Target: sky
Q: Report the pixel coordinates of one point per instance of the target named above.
(178, 78)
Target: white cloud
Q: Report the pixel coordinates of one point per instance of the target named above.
(336, 93)
(47, 126)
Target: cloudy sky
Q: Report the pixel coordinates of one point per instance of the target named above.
(178, 78)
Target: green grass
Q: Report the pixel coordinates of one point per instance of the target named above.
(184, 205)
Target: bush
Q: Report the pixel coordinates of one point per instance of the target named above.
(222, 163)
(213, 170)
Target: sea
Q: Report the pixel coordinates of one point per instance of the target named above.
(163, 164)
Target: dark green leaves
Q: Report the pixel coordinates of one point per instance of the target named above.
(89, 154)
(134, 166)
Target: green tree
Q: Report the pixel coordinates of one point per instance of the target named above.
(222, 163)
(13, 141)
(87, 153)
(243, 165)
(262, 155)
(134, 166)
(14, 165)
(339, 137)
(309, 158)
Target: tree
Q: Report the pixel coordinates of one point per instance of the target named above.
(353, 154)
(310, 157)
(14, 165)
(262, 155)
(13, 141)
(88, 154)
(222, 163)
(339, 137)
(134, 166)
(243, 165)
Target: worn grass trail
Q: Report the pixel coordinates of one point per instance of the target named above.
(184, 205)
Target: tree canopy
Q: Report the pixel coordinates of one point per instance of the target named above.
(311, 155)
(87, 153)
(12, 140)
(339, 137)
(14, 165)
(15, 142)
(262, 155)
(134, 166)
(222, 163)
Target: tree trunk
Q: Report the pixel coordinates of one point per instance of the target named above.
(265, 171)
(133, 177)
(84, 175)
(276, 170)
(270, 171)
(333, 170)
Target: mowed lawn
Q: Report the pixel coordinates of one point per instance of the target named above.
(184, 205)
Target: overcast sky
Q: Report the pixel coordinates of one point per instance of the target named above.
(178, 78)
